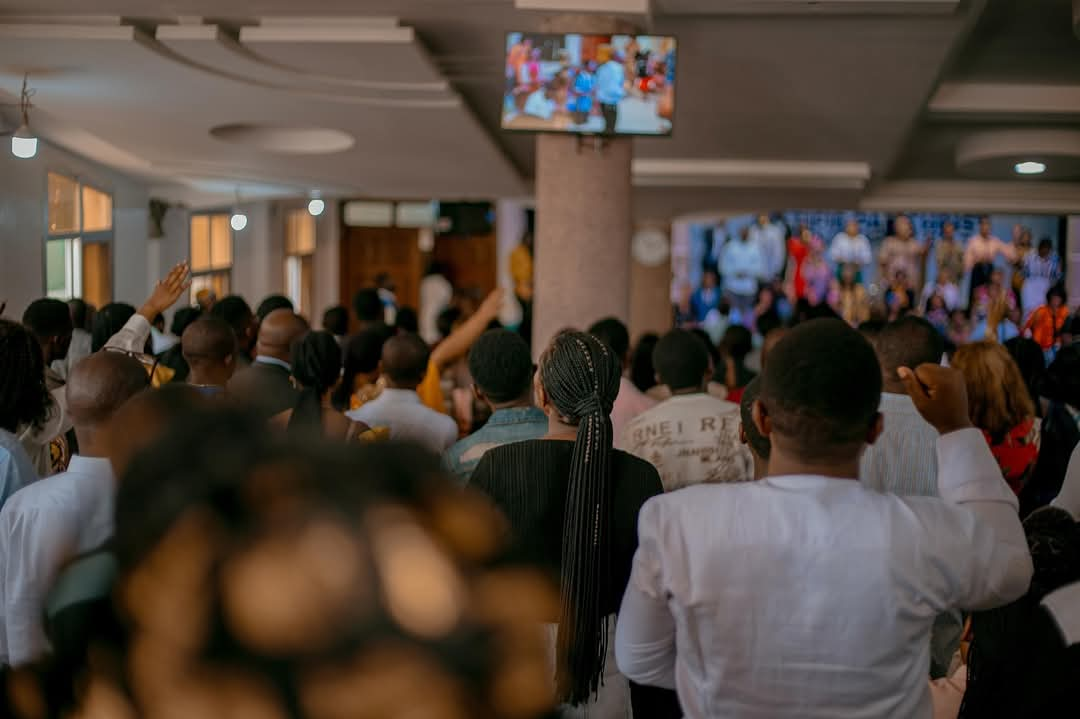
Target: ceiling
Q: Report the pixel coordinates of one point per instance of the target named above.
(781, 102)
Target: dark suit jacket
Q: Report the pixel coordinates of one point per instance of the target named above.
(264, 387)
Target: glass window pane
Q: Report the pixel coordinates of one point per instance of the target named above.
(221, 242)
(361, 213)
(97, 273)
(96, 210)
(200, 243)
(299, 233)
(63, 268)
(63, 204)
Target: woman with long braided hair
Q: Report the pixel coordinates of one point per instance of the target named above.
(572, 503)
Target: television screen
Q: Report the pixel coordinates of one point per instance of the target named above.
(589, 84)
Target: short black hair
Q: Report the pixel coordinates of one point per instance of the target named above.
(48, 317)
(821, 389)
(1046, 242)
(612, 332)
(79, 311)
(501, 366)
(367, 305)
(737, 343)
(444, 323)
(758, 442)
(908, 342)
(336, 320)
(360, 355)
(271, 303)
(870, 329)
(681, 360)
(642, 369)
(235, 310)
(1057, 290)
(109, 320)
(184, 317)
(407, 320)
(405, 359)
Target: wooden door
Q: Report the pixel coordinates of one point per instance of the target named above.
(367, 252)
(472, 260)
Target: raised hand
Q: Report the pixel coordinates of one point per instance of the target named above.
(940, 395)
(167, 291)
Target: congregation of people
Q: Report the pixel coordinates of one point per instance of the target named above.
(768, 274)
(840, 509)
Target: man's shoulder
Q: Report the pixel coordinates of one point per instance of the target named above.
(53, 496)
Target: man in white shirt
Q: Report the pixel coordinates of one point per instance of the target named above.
(398, 408)
(47, 523)
(770, 238)
(807, 594)
(742, 265)
(851, 247)
(631, 401)
(903, 459)
(610, 90)
(692, 437)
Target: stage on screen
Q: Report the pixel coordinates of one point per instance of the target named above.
(589, 84)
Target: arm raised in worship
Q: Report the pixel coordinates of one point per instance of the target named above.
(984, 559)
(645, 628)
(133, 335)
(461, 339)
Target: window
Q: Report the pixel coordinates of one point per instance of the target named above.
(78, 246)
(211, 254)
(300, 259)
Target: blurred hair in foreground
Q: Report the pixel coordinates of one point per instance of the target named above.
(263, 577)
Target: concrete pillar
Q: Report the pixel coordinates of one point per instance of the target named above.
(583, 218)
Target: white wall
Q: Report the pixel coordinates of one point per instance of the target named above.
(23, 191)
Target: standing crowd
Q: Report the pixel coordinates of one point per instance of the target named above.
(246, 516)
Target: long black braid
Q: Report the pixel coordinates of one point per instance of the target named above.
(24, 398)
(316, 366)
(581, 378)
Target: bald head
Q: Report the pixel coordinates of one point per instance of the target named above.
(278, 331)
(100, 384)
(209, 347)
(405, 360)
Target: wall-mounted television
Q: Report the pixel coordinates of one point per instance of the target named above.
(589, 84)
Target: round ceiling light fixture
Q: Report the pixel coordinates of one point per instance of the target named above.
(1030, 167)
(238, 221)
(316, 207)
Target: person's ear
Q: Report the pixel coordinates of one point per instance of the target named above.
(541, 396)
(876, 428)
(761, 418)
(478, 393)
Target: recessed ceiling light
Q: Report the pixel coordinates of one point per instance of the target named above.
(1030, 168)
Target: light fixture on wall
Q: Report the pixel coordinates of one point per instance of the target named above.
(316, 206)
(238, 221)
(23, 142)
(1030, 167)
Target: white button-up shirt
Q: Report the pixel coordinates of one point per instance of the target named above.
(16, 469)
(813, 597)
(402, 412)
(742, 264)
(770, 238)
(903, 460)
(846, 249)
(42, 526)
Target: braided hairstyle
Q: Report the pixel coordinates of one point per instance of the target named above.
(24, 398)
(580, 376)
(316, 366)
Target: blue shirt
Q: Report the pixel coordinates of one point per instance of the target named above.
(506, 426)
(610, 79)
(16, 469)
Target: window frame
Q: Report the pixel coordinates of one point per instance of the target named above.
(212, 271)
(293, 261)
(83, 237)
